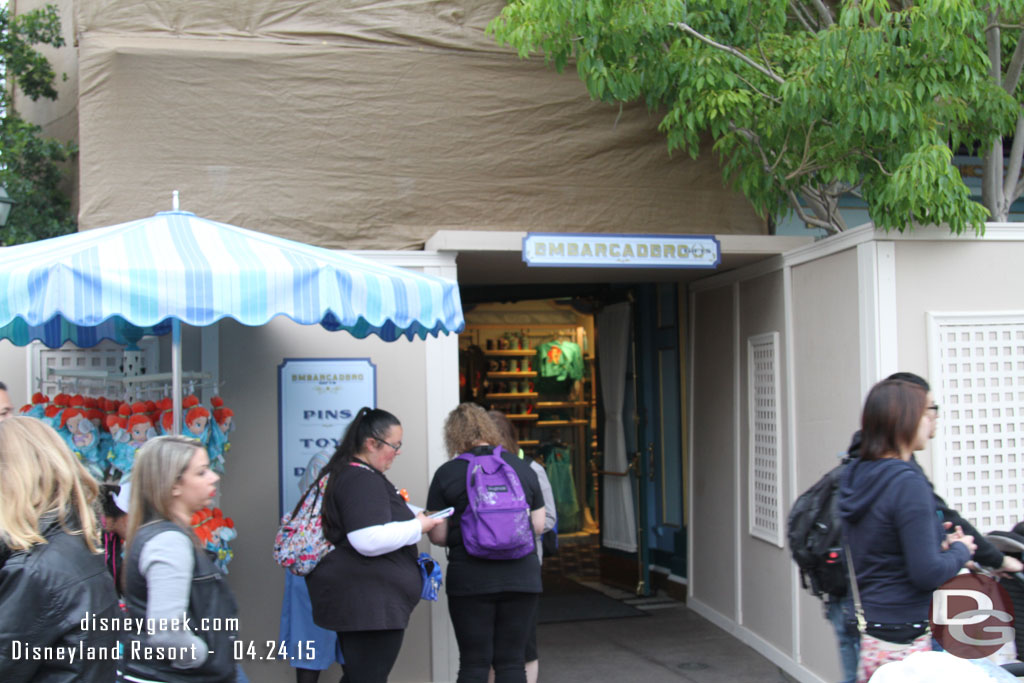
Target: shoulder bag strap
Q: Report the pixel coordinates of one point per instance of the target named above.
(313, 488)
(858, 608)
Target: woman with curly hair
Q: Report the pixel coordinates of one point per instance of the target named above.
(511, 444)
(52, 576)
(491, 602)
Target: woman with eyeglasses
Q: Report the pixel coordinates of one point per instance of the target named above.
(899, 549)
(366, 588)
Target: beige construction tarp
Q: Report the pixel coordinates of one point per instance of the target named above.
(364, 125)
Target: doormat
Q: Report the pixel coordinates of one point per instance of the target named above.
(566, 600)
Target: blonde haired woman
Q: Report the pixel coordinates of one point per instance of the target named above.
(491, 602)
(51, 575)
(168, 576)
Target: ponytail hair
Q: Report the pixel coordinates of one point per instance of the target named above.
(369, 423)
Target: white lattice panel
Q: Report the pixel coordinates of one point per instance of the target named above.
(978, 381)
(765, 430)
(105, 357)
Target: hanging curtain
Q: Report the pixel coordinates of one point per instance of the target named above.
(618, 516)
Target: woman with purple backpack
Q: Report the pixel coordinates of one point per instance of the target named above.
(493, 579)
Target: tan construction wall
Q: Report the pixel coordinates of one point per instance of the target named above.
(365, 125)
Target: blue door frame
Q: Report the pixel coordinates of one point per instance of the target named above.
(659, 433)
(652, 416)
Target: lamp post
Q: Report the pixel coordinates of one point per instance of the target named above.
(5, 205)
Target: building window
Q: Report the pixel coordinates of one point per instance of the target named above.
(977, 377)
(764, 419)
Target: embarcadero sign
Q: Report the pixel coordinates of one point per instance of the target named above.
(567, 250)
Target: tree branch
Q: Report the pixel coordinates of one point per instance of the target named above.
(754, 139)
(992, 40)
(824, 13)
(686, 28)
(992, 174)
(801, 168)
(809, 220)
(877, 163)
(1012, 77)
(800, 13)
(992, 180)
(1013, 172)
(999, 24)
(1018, 191)
(770, 98)
(781, 154)
(824, 200)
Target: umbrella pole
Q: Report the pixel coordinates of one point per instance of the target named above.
(176, 373)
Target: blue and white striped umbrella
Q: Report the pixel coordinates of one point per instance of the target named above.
(176, 266)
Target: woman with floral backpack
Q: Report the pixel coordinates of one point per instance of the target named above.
(492, 590)
(366, 588)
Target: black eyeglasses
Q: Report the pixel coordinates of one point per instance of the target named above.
(396, 446)
(934, 407)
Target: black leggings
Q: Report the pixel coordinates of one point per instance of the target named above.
(369, 655)
(492, 631)
(307, 675)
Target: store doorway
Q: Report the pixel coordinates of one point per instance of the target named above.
(652, 558)
(534, 361)
(508, 357)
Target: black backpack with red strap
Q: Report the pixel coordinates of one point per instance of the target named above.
(815, 539)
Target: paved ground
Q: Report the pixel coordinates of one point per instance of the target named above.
(671, 645)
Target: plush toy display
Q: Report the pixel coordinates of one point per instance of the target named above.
(105, 433)
(51, 415)
(84, 440)
(197, 424)
(223, 423)
(38, 406)
(216, 532)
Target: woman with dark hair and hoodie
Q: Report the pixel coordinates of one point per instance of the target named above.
(899, 549)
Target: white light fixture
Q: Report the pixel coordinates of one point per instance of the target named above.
(5, 205)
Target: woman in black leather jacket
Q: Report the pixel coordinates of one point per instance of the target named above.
(58, 607)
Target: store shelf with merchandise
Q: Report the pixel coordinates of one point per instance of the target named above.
(511, 379)
(533, 361)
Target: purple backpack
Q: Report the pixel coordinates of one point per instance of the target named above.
(496, 524)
